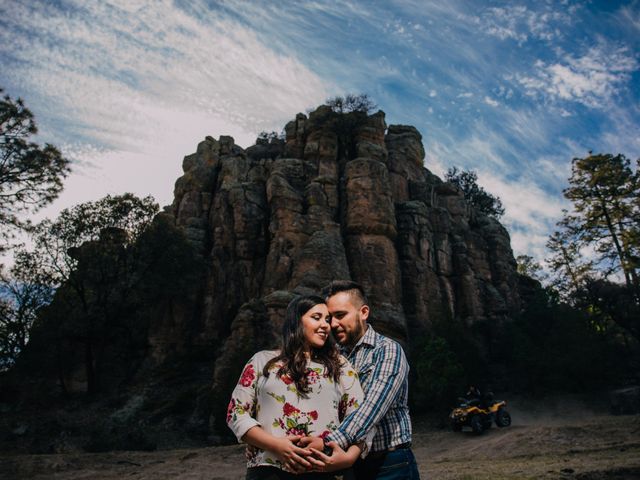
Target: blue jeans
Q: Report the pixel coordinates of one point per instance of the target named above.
(397, 465)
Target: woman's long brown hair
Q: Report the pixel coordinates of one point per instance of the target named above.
(292, 354)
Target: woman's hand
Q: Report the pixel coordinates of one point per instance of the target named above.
(311, 442)
(291, 456)
(285, 448)
(338, 460)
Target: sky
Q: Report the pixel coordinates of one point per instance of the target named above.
(513, 90)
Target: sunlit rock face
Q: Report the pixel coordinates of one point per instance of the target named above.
(340, 197)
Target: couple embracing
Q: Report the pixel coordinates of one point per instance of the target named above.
(317, 410)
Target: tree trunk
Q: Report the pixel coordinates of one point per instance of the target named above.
(616, 241)
(92, 386)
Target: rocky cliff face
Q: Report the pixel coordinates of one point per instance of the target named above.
(343, 196)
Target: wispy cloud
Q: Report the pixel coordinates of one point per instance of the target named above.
(591, 79)
(160, 55)
(147, 80)
(490, 101)
(621, 133)
(629, 16)
(520, 23)
(530, 212)
(526, 203)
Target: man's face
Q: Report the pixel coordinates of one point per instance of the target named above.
(348, 319)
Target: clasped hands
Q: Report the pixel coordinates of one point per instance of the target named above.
(304, 454)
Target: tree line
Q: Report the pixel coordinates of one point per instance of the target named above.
(83, 291)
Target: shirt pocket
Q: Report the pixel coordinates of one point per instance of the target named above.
(364, 373)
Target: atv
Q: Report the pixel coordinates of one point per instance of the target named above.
(479, 415)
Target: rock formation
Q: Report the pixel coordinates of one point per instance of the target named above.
(343, 196)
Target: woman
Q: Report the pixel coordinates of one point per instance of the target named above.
(304, 389)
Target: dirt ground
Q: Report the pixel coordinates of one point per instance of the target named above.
(559, 439)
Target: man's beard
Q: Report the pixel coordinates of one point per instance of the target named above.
(354, 336)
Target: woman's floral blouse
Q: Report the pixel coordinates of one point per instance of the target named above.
(272, 402)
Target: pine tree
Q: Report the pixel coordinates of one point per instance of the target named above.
(483, 201)
(604, 191)
(30, 175)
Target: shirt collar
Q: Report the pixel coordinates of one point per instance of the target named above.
(369, 338)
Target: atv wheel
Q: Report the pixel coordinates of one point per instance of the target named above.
(476, 425)
(503, 418)
(456, 427)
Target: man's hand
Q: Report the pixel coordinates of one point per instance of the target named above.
(311, 442)
(291, 456)
(338, 460)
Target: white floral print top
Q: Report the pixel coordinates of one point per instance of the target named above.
(272, 402)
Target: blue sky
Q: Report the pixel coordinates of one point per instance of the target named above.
(512, 89)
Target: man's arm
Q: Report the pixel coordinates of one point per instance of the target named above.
(390, 372)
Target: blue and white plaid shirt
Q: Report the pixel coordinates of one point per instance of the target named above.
(383, 370)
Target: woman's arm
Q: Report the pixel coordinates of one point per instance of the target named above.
(241, 420)
(242, 406)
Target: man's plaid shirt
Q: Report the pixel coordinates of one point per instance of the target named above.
(383, 370)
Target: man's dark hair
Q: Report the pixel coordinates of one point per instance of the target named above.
(355, 290)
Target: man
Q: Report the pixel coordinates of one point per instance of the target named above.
(473, 395)
(383, 371)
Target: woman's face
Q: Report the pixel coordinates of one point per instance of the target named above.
(316, 326)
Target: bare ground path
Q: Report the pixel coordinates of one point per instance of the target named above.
(581, 445)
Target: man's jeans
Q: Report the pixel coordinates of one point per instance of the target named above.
(397, 465)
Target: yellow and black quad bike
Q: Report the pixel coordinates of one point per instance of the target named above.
(479, 415)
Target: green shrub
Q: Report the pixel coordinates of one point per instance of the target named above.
(439, 375)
